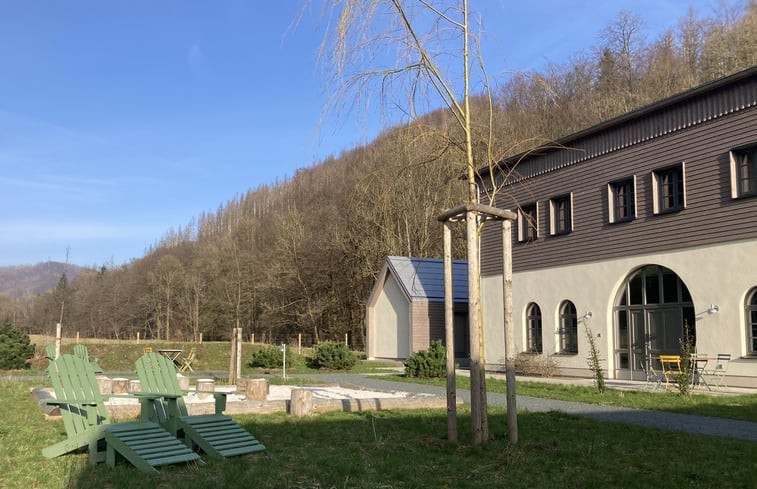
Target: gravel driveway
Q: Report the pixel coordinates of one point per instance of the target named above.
(700, 425)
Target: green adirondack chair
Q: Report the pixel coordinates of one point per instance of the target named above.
(81, 352)
(216, 434)
(144, 444)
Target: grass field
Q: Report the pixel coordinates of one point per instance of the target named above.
(401, 449)
(395, 449)
(741, 407)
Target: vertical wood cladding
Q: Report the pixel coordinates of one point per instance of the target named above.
(710, 216)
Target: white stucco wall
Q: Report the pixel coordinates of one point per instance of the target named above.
(391, 322)
(721, 275)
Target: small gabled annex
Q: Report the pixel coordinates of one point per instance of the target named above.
(405, 310)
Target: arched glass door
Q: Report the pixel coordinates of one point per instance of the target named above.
(651, 311)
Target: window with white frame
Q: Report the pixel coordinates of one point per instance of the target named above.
(561, 215)
(568, 331)
(669, 189)
(621, 196)
(751, 321)
(744, 172)
(533, 329)
(528, 222)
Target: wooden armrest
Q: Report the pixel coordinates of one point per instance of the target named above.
(77, 402)
(155, 395)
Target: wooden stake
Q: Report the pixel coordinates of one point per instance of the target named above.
(238, 370)
(449, 335)
(299, 343)
(58, 338)
(507, 300)
(477, 410)
(232, 359)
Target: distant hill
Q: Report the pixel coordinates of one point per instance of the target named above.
(32, 280)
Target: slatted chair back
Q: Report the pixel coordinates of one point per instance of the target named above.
(145, 445)
(157, 374)
(74, 380)
(217, 435)
(671, 367)
(82, 352)
(186, 362)
(50, 353)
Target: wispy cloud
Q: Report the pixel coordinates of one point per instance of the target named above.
(195, 55)
(32, 184)
(45, 231)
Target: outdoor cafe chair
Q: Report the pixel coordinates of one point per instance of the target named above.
(671, 368)
(652, 375)
(718, 370)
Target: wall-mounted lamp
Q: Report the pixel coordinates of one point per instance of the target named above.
(713, 309)
(586, 315)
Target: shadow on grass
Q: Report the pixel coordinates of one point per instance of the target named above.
(386, 449)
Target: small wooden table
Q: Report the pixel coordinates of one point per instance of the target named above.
(170, 354)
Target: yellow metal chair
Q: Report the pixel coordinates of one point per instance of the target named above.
(186, 362)
(148, 349)
(671, 368)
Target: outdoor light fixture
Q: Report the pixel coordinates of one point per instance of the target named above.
(586, 315)
(713, 309)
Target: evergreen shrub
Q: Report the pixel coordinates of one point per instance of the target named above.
(269, 356)
(334, 355)
(15, 348)
(429, 363)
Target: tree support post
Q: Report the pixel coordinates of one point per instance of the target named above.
(449, 335)
(472, 214)
(507, 301)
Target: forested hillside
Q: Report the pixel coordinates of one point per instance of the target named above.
(300, 255)
(31, 280)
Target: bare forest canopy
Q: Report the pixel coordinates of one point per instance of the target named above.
(301, 255)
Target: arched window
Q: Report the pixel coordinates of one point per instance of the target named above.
(751, 321)
(568, 328)
(533, 329)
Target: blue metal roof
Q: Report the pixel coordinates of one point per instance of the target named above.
(423, 278)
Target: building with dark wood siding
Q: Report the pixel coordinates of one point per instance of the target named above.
(647, 221)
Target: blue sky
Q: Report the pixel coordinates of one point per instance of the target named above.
(122, 120)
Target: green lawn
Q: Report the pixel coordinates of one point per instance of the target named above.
(396, 449)
(743, 407)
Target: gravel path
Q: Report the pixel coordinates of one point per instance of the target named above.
(700, 425)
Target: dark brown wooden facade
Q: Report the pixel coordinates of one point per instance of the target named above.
(697, 130)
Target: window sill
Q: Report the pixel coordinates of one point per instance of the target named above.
(625, 219)
(672, 210)
(748, 195)
(565, 354)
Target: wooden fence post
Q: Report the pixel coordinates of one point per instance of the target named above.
(58, 338)
(232, 359)
(239, 354)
